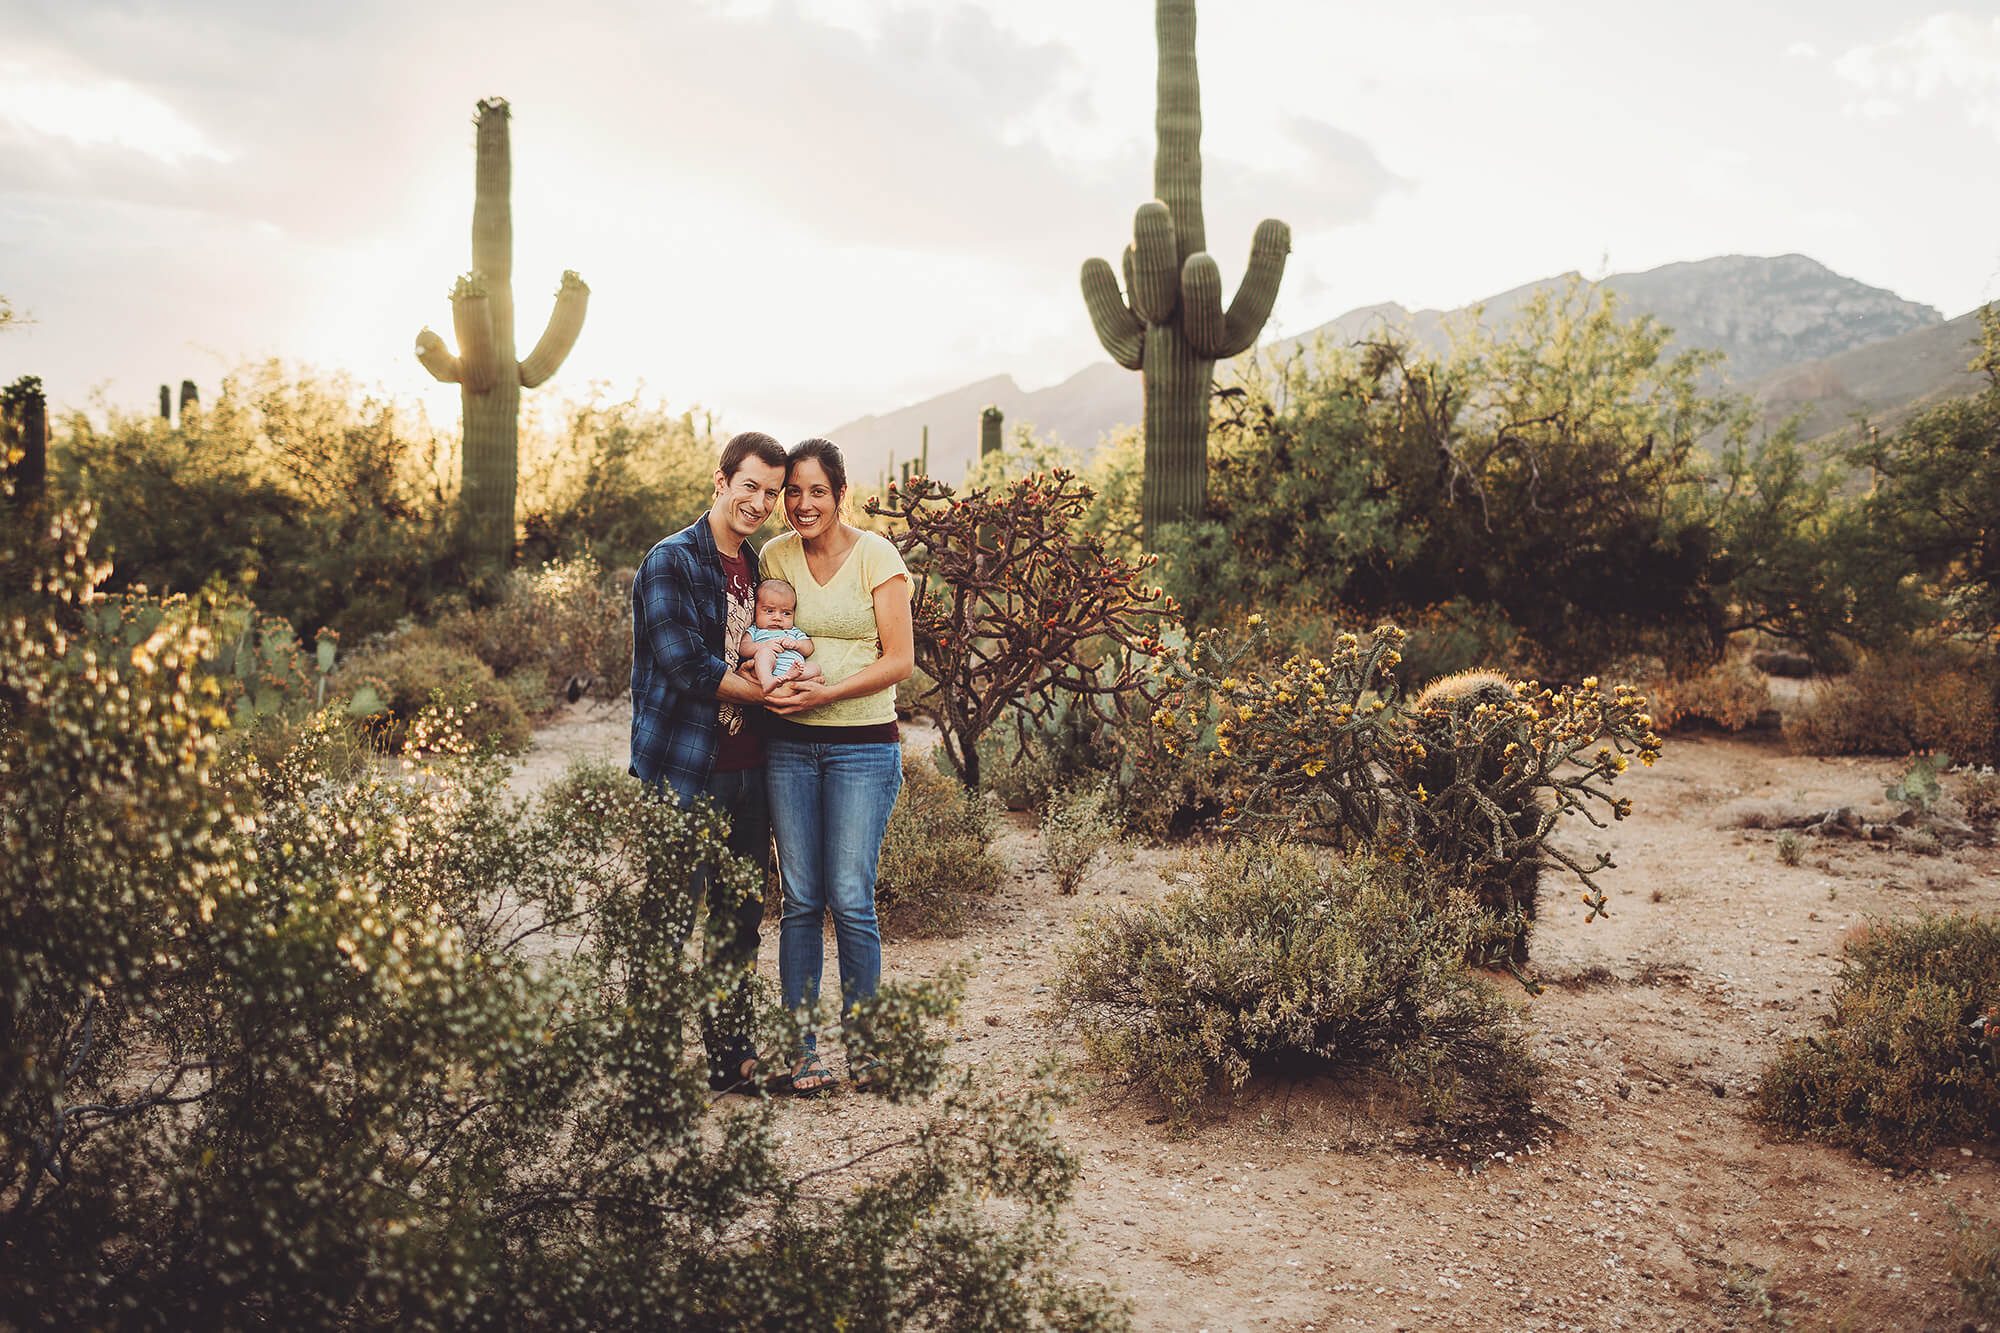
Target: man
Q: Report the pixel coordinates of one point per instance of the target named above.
(691, 602)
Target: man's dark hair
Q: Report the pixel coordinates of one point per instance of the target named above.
(746, 444)
(827, 454)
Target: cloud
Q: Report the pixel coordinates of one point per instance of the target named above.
(1947, 58)
(92, 111)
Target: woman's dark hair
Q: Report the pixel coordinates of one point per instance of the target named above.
(827, 454)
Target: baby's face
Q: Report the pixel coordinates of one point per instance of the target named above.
(774, 613)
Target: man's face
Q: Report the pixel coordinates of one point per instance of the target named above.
(744, 501)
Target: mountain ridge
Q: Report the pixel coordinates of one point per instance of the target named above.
(1772, 317)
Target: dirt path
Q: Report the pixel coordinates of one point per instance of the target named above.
(1657, 1203)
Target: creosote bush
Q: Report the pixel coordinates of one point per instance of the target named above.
(562, 625)
(1730, 695)
(418, 668)
(1079, 825)
(285, 1043)
(1909, 1057)
(937, 854)
(1279, 959)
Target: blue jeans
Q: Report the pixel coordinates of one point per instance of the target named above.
(829, 807)
(730, 937)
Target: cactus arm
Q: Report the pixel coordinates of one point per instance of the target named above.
(1122, 332)
(1201, 304)
(1254, 299)
(1177, 125)
(472, 317)
(565, 323)
(1156, 265)
(437, 358)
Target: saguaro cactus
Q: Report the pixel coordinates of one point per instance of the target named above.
(24, 438)
(490, 380)
(1169, 324)
(990, 422)
(190, 398)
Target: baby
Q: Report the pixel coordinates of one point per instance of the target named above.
(771, 649)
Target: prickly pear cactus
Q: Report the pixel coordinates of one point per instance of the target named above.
(1169, 324)
(489, 377)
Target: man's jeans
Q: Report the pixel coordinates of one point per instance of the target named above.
(829, 807)
(730, 939)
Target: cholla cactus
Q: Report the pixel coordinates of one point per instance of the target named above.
(485, 369)
(1169, 324)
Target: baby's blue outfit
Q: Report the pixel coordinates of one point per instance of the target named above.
(789, 658)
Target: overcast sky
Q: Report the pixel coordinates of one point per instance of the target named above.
(792, 212)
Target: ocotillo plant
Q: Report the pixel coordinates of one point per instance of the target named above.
(1169, 324)
(490, 380)
(989, 431)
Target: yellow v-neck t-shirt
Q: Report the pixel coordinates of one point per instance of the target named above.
(840, 617)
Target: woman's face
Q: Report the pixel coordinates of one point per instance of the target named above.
(811, 504)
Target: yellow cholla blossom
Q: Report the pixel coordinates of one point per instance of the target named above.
(1313, 767)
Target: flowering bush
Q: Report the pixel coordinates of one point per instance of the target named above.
(280, 1042)
(1328, 748)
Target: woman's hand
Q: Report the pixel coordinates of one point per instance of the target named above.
(796, 696)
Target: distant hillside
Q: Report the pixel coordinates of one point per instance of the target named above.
(1885, 382)
(1767, 315)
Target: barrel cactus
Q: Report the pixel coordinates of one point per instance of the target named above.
(1169, 323)
(1481, 819)
(489, 377)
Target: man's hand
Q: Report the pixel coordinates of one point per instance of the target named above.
(795, 696)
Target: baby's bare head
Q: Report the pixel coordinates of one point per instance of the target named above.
(777, 600)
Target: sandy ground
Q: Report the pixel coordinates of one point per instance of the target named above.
(1654, 1201)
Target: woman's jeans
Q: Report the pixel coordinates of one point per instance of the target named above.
(829, 807)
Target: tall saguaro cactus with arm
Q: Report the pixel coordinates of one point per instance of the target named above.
(1169, 323)
(490, 380)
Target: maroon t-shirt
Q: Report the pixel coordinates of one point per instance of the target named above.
(736, 745)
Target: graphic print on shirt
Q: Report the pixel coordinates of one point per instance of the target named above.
(742, 610)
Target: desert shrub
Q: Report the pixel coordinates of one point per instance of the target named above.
(553, 628)
(1018, 606)
(331, 509)
(1275, 960)
(1979, 793)
(937, 853)
(1473, 780)
(417, 670)
(1791, 847)
(1730, 695)
(279, 1045)
(1026, 758)
(1079, 825)
(1380, 481)
(1926, 695)
(614, 478)
(1908, 1056)
(1975, 1265)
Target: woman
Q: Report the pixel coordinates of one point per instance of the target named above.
(833, 756)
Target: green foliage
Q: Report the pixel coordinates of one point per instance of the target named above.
(1079, 825)
(1975, 1265)
(331, 509)
(1919, 789)
(1548, 474)
(1275, 960)
(1909, 1057)
(937, 852)
(1791, 847)
(417, 671)
(562, 624)
(613, 480)
(383, 1048)
(1934, 507)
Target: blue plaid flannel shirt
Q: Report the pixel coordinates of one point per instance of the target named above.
(680, 617)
